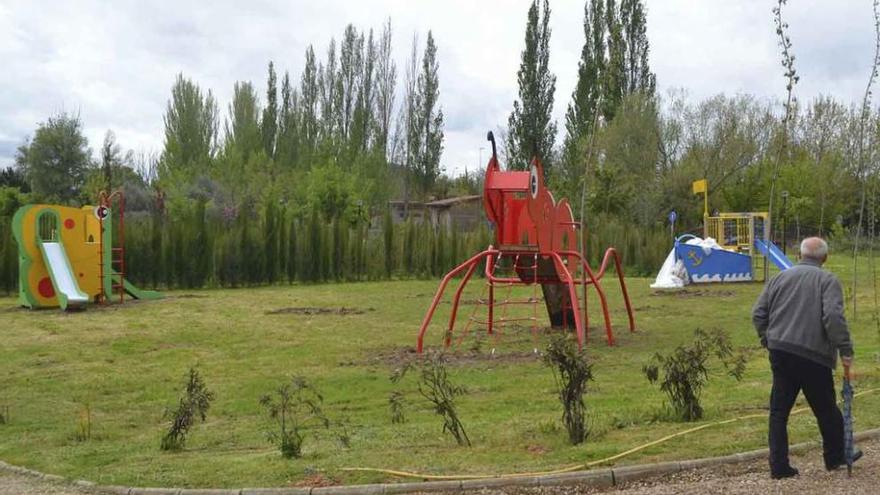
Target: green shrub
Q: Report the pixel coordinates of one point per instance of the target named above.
(192, 405)
(571, 372)
(293, 407)
(685, 370)
(396, 402)
(84, 424)
(434, 385)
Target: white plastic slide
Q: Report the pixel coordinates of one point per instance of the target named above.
(62, 277)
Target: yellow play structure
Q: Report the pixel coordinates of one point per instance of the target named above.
(67, 258)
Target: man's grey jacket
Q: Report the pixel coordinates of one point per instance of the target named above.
(801, 311)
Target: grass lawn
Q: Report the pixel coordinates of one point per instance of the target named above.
(128, 363)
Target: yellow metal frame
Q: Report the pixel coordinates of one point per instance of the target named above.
(736, 231)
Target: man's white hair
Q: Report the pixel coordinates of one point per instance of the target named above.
(814, 248)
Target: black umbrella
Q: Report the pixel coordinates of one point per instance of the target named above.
(847, 420)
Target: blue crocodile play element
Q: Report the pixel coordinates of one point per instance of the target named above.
(716, 265)
(774, 254)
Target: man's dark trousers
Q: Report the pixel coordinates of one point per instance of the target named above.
(791, 374)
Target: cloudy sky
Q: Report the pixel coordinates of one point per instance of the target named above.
(114, 62)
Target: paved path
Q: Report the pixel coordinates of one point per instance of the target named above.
(751, 478)
(745, 478)
(14, 484)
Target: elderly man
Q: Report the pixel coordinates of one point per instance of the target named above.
(799, 318)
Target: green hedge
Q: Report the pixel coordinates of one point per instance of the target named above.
(196, 247)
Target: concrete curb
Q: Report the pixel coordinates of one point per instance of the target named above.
(595, 478)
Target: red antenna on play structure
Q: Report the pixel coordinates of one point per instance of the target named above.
(537, 238)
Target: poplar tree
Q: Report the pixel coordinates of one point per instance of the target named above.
(311, 98)
(581, 113)
(243, 127)
(386, 81)
(288, 141)
(428, 119)
(531, 129)
(598, 35)
(639, 78)
(363, 115)
(409, 125)
(614, 63)
(350, 67)
(269, 121)
(190, 130)
(328, 94)
(614, 78)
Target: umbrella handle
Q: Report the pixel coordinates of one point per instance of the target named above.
(846, 373)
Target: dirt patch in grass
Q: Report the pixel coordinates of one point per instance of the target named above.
(646, 307)
(399, 356)
(537, 450)
(689, 293)
(475, 348)
(315, 481)
(485, 302)
(187, 296)
(310, 311)
(417, 296)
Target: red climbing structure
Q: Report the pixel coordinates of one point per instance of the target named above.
(536, 238)
(116, 276)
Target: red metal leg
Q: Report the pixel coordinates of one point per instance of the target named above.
(586, 312)
(609, 334)
(456, 299)
(430, 314)
(609, 254)
(490, 272)
(572, 294)
(629, 311)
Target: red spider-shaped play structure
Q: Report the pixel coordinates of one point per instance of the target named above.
(537, 238)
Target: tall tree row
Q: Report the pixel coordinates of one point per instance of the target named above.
(581, 115)
(191, 122)
(531, 129)
(614, 63)
(422, 116)
(386, 83)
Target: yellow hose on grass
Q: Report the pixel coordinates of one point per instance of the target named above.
(576, 467)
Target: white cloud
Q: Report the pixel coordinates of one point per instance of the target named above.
(115, 62)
